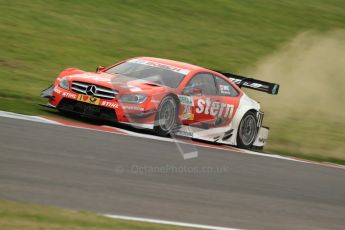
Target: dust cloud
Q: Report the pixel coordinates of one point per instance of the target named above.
(311, 72)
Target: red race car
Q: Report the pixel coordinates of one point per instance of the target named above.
(168, 97)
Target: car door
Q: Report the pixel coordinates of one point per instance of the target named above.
(197, 101)
(229, 98)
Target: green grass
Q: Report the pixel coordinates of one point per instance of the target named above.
(40, 38)
(18, 215)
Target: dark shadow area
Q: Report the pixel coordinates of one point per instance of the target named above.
(94, 121)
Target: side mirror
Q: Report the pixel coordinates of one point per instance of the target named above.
(100, 68)
(192, 91)
(196, 91)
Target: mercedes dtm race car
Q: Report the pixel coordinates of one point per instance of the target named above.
(168, 97)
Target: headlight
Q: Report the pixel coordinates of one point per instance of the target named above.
(64, 84)
(133, 98)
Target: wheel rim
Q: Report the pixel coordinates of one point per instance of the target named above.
(167, 115)
(248, 130)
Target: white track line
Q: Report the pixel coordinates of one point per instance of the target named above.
(142, 135)
(166, 222)
(147, 136)
(27, 117)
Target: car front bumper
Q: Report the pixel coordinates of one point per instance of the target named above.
(109, 110)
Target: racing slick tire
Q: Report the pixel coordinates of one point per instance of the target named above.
(247, 130)
(166, 116)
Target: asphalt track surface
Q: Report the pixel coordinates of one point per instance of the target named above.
(125, 175)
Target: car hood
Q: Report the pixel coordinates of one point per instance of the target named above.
(118, 82)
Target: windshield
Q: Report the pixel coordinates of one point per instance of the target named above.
(150, 71)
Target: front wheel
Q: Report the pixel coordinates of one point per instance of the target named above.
(166, 116)
(247, 130)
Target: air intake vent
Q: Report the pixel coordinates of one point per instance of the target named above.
(94, 90)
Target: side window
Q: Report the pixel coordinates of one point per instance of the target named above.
(203, 81)
(225, 88)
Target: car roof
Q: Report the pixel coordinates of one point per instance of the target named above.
(178, 64)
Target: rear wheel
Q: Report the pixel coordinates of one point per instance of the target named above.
(166, 116)
(247, 130)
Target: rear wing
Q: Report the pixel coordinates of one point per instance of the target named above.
(251, 83)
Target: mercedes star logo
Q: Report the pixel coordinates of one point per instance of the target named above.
(91, 90)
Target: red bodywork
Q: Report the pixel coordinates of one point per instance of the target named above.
(206, 109)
